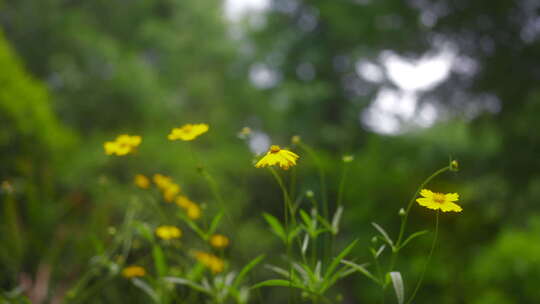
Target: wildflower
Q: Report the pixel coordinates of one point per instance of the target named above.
(122, 145)
(168, 232)
(161, 181)
(133, 272)
(192, 209)
(244, 133)
(211, 261)
(347, 158)
(170, 192)
(141, 181)
(193, 212)
(219, 241)
(296, 139)
(188, 132)
(436, 201)
(276, 155)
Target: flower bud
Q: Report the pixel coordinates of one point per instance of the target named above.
(347, 158)
(374, 239)
(309, 194)
(296, 139)
(454, 166)
(402, 212)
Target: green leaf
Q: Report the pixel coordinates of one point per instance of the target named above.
(281, 283)
(362, 270)
(215, 223)
(246, 270)
(337, 260)
(159, 260)
(384, 234)
(307, 219)
(397, 282)
(336, 219)
(413, 236)
(182, 281)
(146, 288)
(276, 226)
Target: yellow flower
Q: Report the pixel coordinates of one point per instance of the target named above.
(211, 261)
(219, 241)
(188, 132)
(192, 209)
(170, 192)
(168, 232)
(141, 181)
(133, 272)
(122, 145)
(276, 155)
(194, 212)
(435, 201)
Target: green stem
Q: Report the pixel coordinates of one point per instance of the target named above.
(397, 246)
(419, 283)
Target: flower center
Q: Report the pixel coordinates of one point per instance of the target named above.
(274, 149)
(438, 198)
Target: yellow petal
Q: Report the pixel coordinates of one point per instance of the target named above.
(451, 197)
(426, 193)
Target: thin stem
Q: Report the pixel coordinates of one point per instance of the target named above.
(342, 184)
(428, 259)
(322, 178)
(397, 246)
(286, 210)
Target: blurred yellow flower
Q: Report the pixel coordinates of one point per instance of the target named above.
(276, 155)
(169, 189)
(141, 181)
(170, 192)
(296, 139)
(193, 210)
(435, 201)
(219, 241)
(133, 272)
(122, 145)
(188, 131)
(211, 261)
(168, 232)
(244, 133)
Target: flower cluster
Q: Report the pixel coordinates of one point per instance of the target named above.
(168, 232)
(188, 132)
(169, 188)
(193, 210)
(214, 263)
(122, 145)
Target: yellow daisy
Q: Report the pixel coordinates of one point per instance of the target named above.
(211, 261)
(277, 156)
(122, 145)
(133, 272)
(141, 181)
(188, 132)
(435, 201)
(219, 241)
(168, 232)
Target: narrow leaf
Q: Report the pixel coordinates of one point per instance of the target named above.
(384, 234)
(337, 260)
(413, 236)
(282, 283)
(362, 269)
(159, 260)
(182, 281)
(276, 226)
(146, 288)
(246, 270)
(215, 223)
(397, 282)
(336, 219)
